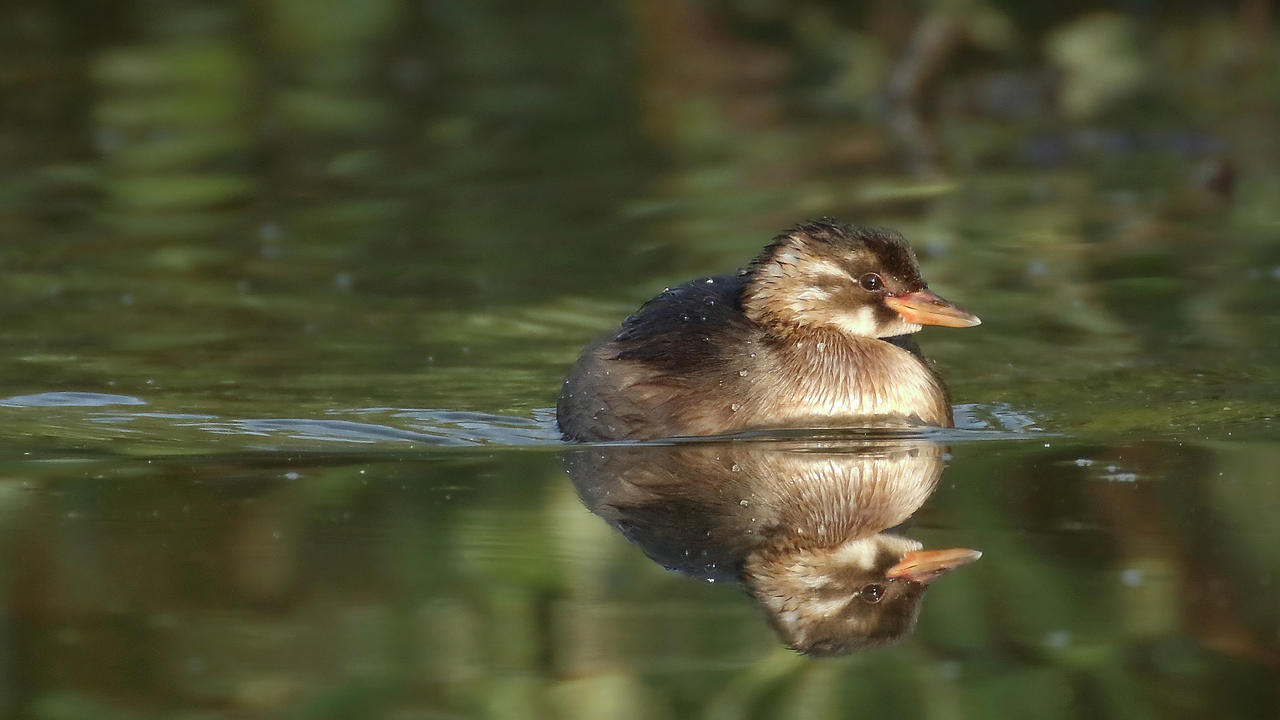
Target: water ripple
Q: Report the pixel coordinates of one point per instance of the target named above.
(69, 399)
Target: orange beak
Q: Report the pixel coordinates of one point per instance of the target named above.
(923, 307)
(925, 566)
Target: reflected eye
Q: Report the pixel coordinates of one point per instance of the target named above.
(871, 593)
(871, 282)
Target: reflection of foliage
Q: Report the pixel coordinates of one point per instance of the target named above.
(1122, 580)
(383, 184)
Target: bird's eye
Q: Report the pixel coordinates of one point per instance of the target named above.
(871, 282)
(871, 593)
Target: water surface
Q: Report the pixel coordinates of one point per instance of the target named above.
(289, 296)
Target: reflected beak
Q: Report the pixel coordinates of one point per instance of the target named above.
(925, 566)
(923, 307)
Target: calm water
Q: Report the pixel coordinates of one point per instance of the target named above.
(288, 297)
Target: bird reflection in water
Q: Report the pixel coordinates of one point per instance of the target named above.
(809, 529)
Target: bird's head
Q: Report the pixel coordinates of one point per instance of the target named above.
(855, 280)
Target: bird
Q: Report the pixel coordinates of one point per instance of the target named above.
(812, 530)
(815, 332)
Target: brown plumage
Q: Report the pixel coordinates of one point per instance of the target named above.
(814, 333)
(803, 527)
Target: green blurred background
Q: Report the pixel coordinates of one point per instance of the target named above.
(290, 288)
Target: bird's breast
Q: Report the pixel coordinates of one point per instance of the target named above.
(812, 380)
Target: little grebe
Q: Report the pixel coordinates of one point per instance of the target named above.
(813, 333)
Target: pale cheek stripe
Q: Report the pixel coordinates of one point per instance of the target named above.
(860, 322)
(863, 322)
(828, 268)
(860, 553)
(814, 294)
